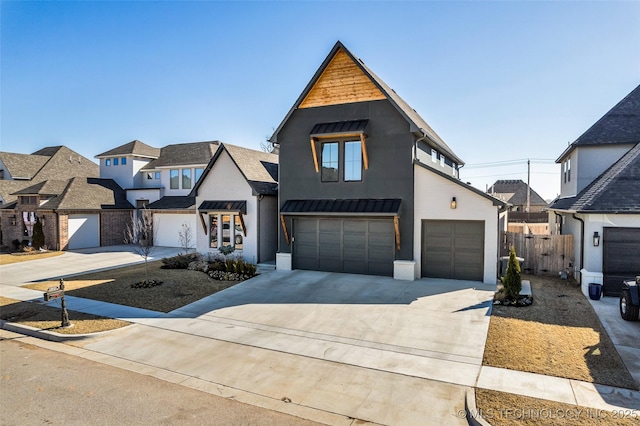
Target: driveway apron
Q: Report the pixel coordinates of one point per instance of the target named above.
(360, 347)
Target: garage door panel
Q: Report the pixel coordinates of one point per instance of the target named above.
(621, 257)
(453, 249)
(84, 231)
(344, 245)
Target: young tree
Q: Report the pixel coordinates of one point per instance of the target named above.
(185, 237)
(37, 240)
(140, 234)
(512, 281)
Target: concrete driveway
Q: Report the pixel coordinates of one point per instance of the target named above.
(324, 346)
(75, 262)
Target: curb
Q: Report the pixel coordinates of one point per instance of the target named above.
(51, 336)
(474, 417)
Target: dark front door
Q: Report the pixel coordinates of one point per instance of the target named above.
(356, 246)
(453, 249)
(621, 258)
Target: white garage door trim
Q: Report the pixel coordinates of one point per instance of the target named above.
(84, 231)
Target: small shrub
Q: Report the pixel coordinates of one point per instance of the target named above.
(17, 245)
(146, 284)
(199, 265)
(226, 250)
(512, 281)
(180, 261)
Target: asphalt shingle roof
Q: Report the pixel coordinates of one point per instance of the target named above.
(60, 163)
(185, 202)
(620, 125)
(87, 194)
(514, 191)
(617, 190)
(135, 148)
(184, 154)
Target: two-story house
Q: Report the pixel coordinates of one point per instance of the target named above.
(599, 202)
(525, 206)
(162, 180)
(61, 189)
(367, 186)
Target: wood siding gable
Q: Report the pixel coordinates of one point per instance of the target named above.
(342, 82)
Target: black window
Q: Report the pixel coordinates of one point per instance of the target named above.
(330, 162)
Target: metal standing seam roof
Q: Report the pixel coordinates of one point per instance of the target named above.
(174, 203)
(387, 206)
(221, 205)
(339, 127)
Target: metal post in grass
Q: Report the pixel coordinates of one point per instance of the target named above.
(65, 314)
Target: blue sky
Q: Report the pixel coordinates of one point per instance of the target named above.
(498, 81)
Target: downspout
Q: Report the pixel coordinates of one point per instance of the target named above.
(259, 198)
(581, 241)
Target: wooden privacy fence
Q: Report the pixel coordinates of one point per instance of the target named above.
(542, 254)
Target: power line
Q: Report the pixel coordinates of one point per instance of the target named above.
(510, 162)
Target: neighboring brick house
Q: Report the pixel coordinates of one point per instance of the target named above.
(161, 179)
(62, 188)
(599, 202)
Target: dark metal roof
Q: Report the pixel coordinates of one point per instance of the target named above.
(386, 206)
(230, 206)
(614, 191)
(339, 127)
(620, 125)
(174, 203)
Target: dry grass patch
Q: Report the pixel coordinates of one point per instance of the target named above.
(179, 287)
(559, 335)
(6, 259)
(503, 409)
(48, 317)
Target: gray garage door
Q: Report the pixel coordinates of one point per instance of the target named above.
(355, 246)
(621, 257)
(453, 249)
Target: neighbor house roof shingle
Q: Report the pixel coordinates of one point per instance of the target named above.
(174, 203)
(135, 148)
(620, 125)
(89, 194)
(617, 190)
(514, 191)
(60, 163)
(194, 153)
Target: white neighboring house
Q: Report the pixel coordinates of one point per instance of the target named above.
(160, 179)
(599, 202)
(237, 203)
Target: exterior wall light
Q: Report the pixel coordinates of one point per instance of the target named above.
(454, 203)
(42, 220)
(596, 239)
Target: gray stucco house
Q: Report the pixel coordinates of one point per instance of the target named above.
(599, 202)
(367, 186)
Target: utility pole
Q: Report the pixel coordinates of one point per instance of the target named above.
(528, 184)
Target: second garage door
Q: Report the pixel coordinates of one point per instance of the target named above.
(84, 231)
(453, 249)
(356, 246)
(621, 258)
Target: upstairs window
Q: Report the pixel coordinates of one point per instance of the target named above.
(352, 161)
(569, 169)
(123, 160)
(107, 162)
(28, 200)
(115, 161)
(198, 173)
(434, 155)
(174, 179)
(330, 162)
(186, 178)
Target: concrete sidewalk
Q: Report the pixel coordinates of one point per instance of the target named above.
(258, 350)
